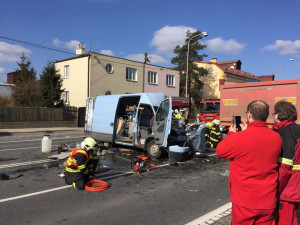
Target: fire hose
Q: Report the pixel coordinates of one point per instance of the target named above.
(96, 185)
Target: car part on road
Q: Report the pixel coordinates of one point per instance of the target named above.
(178, 153)
(6, 176)
(96, 185)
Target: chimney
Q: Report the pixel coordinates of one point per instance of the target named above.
(213, 60)
(80, 50)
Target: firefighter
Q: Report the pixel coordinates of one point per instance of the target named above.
(215, 134)
(207, 134)
(81, 163)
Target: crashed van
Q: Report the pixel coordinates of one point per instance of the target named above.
(142, 120)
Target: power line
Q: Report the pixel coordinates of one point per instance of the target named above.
(36, 45)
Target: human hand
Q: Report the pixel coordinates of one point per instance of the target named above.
(244, 125)
(232, 128)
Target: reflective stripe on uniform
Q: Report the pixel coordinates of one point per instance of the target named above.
(296, 167)
(72, 170)
(216, 133)
(215, 140)
(81, 167)
(285, 161)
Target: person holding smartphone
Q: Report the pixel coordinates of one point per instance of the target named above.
(253, 154)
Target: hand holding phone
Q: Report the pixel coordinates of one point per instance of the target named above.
(237, 121)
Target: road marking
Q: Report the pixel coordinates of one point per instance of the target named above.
(56, 189)
(213, 216)
(26, 163)
(14, 149)
(5, 142)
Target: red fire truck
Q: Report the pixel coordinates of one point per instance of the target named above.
(209, 110)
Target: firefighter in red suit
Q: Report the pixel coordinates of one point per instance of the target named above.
(285, 115)
(253, 155)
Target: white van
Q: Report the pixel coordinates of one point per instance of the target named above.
(141, 120)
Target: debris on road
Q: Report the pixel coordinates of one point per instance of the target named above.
(9, 176)
(59, 156)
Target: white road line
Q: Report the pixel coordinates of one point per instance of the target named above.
(56, 189)
(213, 216)
(15, 149)
(5, 142)
(26, 163)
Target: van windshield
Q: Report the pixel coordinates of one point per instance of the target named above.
(213, 107)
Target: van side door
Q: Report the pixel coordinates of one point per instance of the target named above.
(162, 123)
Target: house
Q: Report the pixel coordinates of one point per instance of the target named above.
(228, 72)
(93, 74)
(6, 90)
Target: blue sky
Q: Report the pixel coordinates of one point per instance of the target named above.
(263, 34)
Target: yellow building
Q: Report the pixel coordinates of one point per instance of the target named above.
(92, 74)
(228, 72)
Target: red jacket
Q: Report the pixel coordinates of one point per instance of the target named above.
(253, 155)
(289, 161)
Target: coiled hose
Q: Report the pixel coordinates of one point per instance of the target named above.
(96, 185)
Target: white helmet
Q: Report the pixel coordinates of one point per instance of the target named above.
(216, 122)
(88, 144)
(176, 111)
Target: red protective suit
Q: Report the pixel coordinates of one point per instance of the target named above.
(253, 155)
(289, 173)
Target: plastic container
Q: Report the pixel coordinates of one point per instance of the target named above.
(178, 153)
(46, 144)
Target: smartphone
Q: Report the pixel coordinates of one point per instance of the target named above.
(237, 121)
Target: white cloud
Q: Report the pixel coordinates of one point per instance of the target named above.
(107, 52)
(11, 53)
(167, 38)
(152, 57)
(72, 45)
(284, 47)
(230, 46)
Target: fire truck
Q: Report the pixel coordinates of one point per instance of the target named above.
(209, 110)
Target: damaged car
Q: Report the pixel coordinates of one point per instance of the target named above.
(142, 120)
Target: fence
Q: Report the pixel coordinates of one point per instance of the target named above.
(38, 114)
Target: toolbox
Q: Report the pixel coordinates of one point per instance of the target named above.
(178, 153)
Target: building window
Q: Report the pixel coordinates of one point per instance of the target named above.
(152, 77)
(170, 80)
(131, 74)
(65, 97)
(66, 73)
(109, 68)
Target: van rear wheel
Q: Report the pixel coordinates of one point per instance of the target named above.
(153, 150)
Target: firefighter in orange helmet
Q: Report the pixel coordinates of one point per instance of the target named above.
(81, 163)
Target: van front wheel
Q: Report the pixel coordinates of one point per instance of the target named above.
(153, 150)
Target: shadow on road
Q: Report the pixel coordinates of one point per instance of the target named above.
(3, 134)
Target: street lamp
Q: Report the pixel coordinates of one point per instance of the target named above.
(204, 34)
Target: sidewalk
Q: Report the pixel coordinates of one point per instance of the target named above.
(42, 129)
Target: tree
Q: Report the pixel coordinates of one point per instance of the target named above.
(50, 86)
(26, 86)
(194, 85)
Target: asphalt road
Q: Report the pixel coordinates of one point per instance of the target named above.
(171, 194)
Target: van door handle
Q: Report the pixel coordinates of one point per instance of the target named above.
(111, 124)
